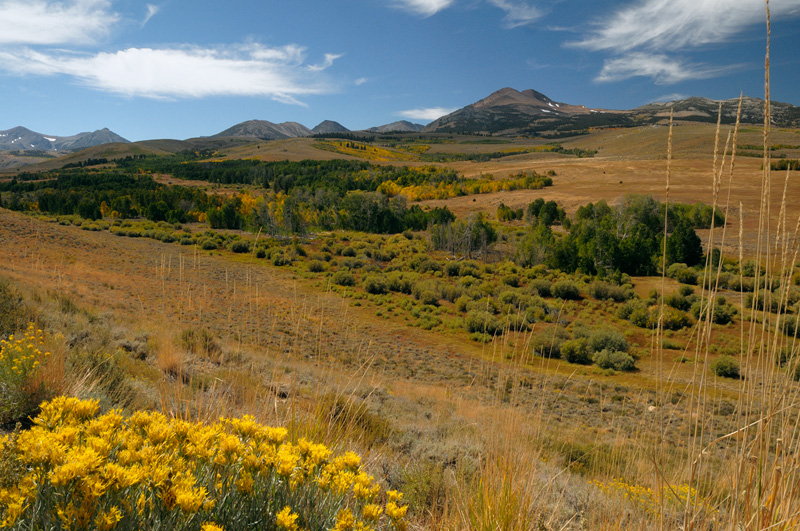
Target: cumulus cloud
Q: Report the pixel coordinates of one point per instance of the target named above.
(680, 24)
(427, 114)
(425, 8)
(517, 13)
(32, 22)
(663, 69)
(246, 70)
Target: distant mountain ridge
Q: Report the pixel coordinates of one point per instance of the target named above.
(510, 112)
(403, 126)
(265, 130)
(23, 139)
(706, 110)
(329, 126)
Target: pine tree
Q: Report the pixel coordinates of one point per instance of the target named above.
(684, 246)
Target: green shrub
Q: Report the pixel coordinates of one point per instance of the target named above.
(348, 251)
(576, 351)
(723, 312)
(678, 301)
(452, 269)
(725, 366)
(675, 319)
(208, 245)
(384, 255)
(240, 246)
(483, 322)
(261, 253)
(566, 289)
(619, 361)
(540, 287)
(400, 282)
(605, 291)
(316, 266)
(509, 297)
(790, 325)
(376, 284)
(343, 278)
(548, 342)
(607, 339)
(423, 264)
(427, 296)
(682, 273)
(511, 280)
(516, 322)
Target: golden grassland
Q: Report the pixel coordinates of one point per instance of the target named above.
(477, 435)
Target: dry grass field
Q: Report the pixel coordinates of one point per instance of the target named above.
(478, 435)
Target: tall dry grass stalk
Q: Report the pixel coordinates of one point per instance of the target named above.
(753, 469)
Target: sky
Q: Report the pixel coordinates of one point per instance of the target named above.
(187, 68)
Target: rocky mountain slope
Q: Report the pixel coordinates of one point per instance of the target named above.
(23, 139)
(265, 130)
(510, 112)
(329, 126)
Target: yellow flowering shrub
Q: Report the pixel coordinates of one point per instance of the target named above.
(148, 471)
(21, 355)
(650, 500)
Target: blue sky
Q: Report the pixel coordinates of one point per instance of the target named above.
(180, 68)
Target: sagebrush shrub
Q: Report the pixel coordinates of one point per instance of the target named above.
(576, 351)
(619, 361)
(483, 322)
(608, 339)
(725, 366)
(376, 284)
(343, 278)
(566, 289)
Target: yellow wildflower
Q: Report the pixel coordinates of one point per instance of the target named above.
(372, 512)
(344, 521)
(286, 520)
(363, 487)
(108, 520)
(394, 511)
(245, 483)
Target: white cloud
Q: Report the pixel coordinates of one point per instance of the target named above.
(666, 98)
(680, 24)
(151, 11)
(428, 113)
(663, 69)
(360, 81)
(329, 59)
(246, 70)
(425, 8)
(46, 22)
(517, 13)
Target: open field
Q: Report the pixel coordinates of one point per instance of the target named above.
(442, 414)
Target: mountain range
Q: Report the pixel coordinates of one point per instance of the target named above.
(509, 112)
(23, 139)
(505, 112)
